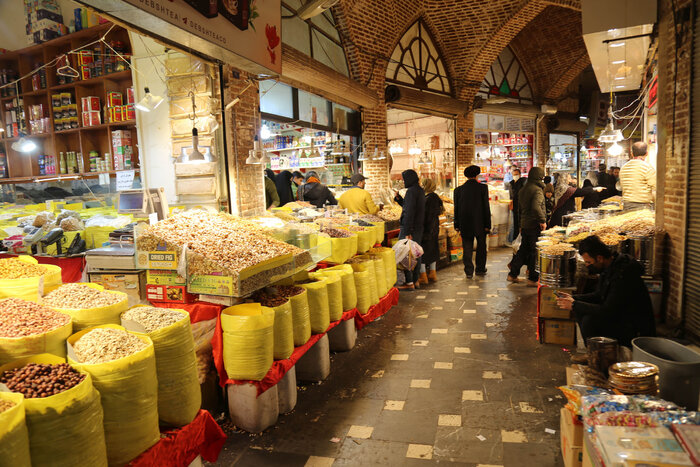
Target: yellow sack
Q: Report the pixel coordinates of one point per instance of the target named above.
(380, 226)
(348, 281)
(52, 342)
(364, 298)
(129, 390)
(179, 394)
(380, 275)
(342, 249)
(389, 258)
(31, 288)
(89, 317)
(96, 236)
(368, 265)
(248, 340)
(14, 438)
(301, 322)
(65, 429)
(365, 240)
(335, 292)
(319, 314)
(283, 331)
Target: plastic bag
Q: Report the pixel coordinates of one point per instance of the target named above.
(89, 317)
(319, 314)
(283, 331)
(364, 298)
(129, 390)
(335, 292)
(65, 429)
(407, 254)
(52, 342)
(203, 332)
(179, 394)
(516, 243)
(348, 281)
(14, 438)
(301, 321)
(31, 288)
(248, 340)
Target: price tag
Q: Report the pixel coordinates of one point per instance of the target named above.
(104, 179)
(153, 218)
(125, 179)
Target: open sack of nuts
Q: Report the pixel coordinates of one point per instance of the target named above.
(27, 328)
(23, 277)
(63, 411)
(123, 369)
(179, 395)
(14, 438)
(88, 304)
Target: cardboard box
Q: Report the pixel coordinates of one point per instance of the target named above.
(90, 103)
(114, 99)
(557, 331)
(169, 294)
(548, 307)
(91, 118)
(571, 437)
(131, 283)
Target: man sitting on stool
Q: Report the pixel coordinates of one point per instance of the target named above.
(620, 307)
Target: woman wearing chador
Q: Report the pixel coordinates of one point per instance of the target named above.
(431, 231)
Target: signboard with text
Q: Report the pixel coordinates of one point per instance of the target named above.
(250, 29)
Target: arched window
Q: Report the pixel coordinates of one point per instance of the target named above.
(506, 78)
(317, 37)
(416, 62)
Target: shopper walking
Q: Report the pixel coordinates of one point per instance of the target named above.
(316, 192)
(620, 307)
(431, 231)
(412, 220)
(565, 198)
(357, 199)
(532, 222)
(514, 188)
(283, 182)
(638, 180)
(473, 220)
(272, 199)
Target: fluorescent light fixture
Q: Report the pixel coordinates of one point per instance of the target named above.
(617, 44)
(24, 145)
(149, 101)
(615, 149)
(618, 62)
(620, 77)
(619, 86)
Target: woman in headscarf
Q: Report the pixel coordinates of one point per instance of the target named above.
(316, 192)
(431, 230)
(565, 198)
(283, 181)
(272, 199)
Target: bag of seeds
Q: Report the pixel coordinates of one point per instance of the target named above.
(63, 411)
(283, 331)
(123, 369)
(14, 438)
(342, 249)
(335, 292)
(389, 258)
(348, 281)
(248, 337)
(379, 232)
(179, 394)
(301, 320)
(88, 304)
(379, 274)
(360, 263)
(364, 297)
(319, 314)
(365, 240)
(27, 328)
(23, 277)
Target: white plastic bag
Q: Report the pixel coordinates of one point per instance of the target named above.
(516, 243)
(407, 253)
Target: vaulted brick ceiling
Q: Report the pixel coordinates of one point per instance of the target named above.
(470, 35)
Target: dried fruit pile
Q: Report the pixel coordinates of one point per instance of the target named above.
(106, 344)
(13, 268)
(6, 405)
(20, 318)
(41, 380)
(80, 296)
(152, 318)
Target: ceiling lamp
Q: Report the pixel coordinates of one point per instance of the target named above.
(265, 132)
(24, 145)
(615, 150)
(395, 148)
(414, 150)
(149, 101)
(610, 134)
(255, 155)
(195, 155)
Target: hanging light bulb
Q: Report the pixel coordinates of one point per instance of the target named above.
(149, 101)
(610, 134)
(414, 150)
(255, 155)
(195, 155)
(615, 150)
(24, 145)
(265, 132)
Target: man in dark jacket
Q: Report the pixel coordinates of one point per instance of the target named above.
(316, 192)
(473, 220)
(533, 218)
(620, 307)
(412, 219)
(514, 187)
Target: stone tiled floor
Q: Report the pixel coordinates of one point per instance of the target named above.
(451, 376)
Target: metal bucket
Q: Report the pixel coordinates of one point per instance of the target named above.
(641, 249)
(538, 246)
(557, 270)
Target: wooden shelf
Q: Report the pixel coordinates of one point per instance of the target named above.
(118, 76)
(58, 177)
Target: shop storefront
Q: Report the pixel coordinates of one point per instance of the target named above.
(502, 141)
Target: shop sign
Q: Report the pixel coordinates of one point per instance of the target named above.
(249, 28)
(210, 285)
(162, 260)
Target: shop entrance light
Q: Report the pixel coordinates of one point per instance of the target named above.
(414, 150)
(395, 148)
(265, 132)
(149, 101)
(24, 145)
(615, 150)
(610, 134)
(255, 155)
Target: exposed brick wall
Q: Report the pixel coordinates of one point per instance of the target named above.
(247, 189)
(674, 83)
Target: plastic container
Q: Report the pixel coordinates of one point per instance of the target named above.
(679, 368)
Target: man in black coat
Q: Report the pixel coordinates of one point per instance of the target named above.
(473, 220)
(316, 192)
(620, 307)
(514, 187)
(412, 219)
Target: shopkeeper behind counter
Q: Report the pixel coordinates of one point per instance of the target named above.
(357, 199)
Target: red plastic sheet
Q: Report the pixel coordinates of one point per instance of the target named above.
(71, 268)
(384, 305)
(181, 446)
